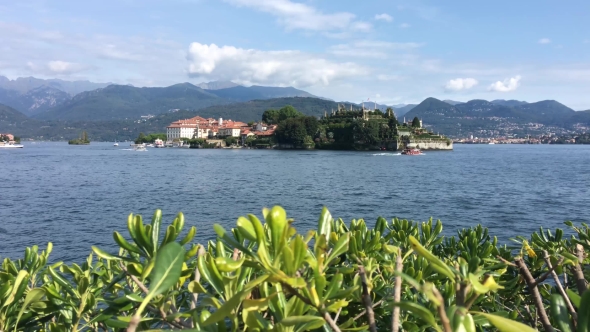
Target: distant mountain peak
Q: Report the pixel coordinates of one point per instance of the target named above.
(509, 103)
(217, 85)
(452, 102)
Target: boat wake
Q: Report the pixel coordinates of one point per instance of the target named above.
(387, 154)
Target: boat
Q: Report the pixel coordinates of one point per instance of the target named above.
(411, 151)
(10, 145)
(158, 143)
(116, 144)
(139, 147)
(149, 146)
(491, 143)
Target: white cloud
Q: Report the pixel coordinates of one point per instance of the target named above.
(294, 15)
(544, 41)
(282, 68)
(361, 26)
(509, 84)
(404, 25)
(371, 48)
(384, 17)
(64, 67)
(459, 84)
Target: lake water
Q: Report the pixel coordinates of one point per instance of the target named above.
(75, 196)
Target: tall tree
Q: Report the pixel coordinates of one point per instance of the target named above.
(416, 122)
(270, 116)
(289, 112)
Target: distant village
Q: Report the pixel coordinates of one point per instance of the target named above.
(217, 129)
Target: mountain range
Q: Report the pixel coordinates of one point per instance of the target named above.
(83, 100)
(51, 109)
(499, 117)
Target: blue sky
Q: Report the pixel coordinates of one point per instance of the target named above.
(385, 50)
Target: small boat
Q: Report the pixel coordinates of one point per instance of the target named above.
(116, 144)
(158, 143)
(10, 145)
(139, 147)
(411, 151)
(149, 146)
(491, 143)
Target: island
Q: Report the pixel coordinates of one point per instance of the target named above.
(82, 140)
(359, 129)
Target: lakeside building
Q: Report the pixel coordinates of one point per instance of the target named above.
(199, 127)
(9, 136)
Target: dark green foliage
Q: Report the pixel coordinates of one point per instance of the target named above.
(230, 140)
(270, 116)
(295, 128)
(292, 131)
(142, 138)
(416, 122)
(82, 140)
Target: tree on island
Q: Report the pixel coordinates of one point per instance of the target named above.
(416, 122)
(142, 138)
(272, 116)
(230, 140)
(83, 140)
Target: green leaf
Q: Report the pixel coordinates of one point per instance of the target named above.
(212, 278)
(295, 320)
(339, 248)
(166, 272)
(277, 222)
(34, 295)
(21, 276)
(246, 228)
(505, 324)
(196, 287)
(437, 264)
(574, 298)
(228, 308)
(584, 313)
(155, 236)
(477, 286)
(559, 313)
(225, 264)
(325, 222)
(419, 311)
(124, 244)
(105, 255)
(189, 236)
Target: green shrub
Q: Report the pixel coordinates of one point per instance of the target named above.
(264, 276)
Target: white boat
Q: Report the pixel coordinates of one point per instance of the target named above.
(158, 143)
(139, 147)
(10, 145)
(491, 143)
(150, 146)
(116, 144)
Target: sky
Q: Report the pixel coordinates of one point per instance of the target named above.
(389, 51)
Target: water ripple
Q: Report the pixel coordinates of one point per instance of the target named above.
(77, 197)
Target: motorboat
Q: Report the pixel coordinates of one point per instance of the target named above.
(10, 145)
(411, 151)
(149, 146)
(158, 143)
(139, 147)
(116, 144)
